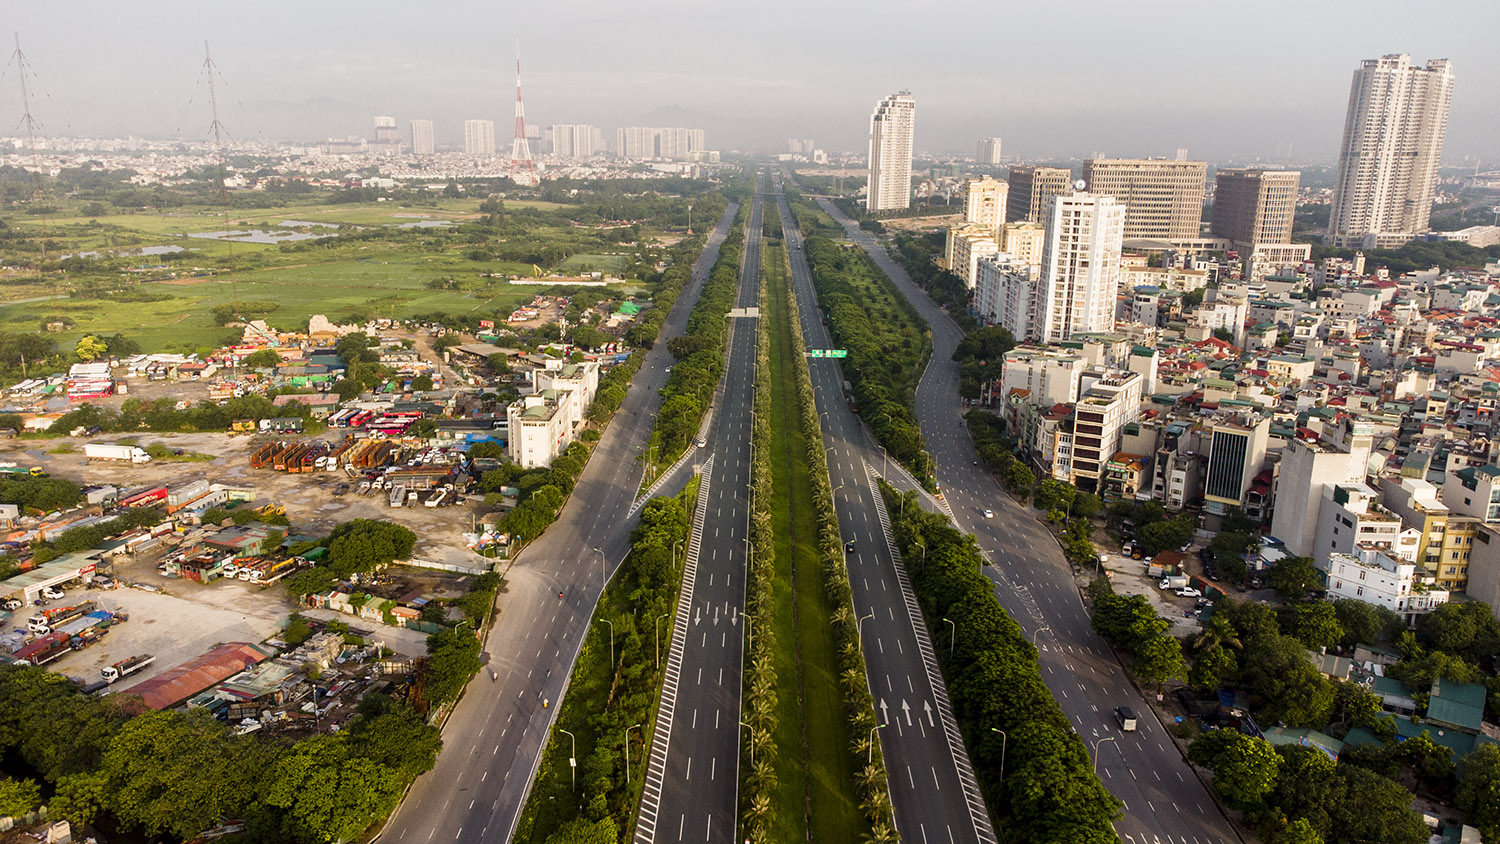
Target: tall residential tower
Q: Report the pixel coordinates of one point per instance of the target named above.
(1080, 267)
(891, 129)
(1393, 141)
(421, 138)
(479, 137)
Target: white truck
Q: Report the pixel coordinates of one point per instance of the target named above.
(116, 453)
(112, 673)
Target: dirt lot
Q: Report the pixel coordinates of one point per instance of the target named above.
(308, 498)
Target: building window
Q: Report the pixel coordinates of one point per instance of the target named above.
(1359, 590)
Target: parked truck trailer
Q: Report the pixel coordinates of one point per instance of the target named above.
(116, 453)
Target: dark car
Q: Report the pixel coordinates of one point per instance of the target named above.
(849, 547)
(1126, 716)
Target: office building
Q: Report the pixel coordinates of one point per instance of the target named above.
(1237, 448)
(1099, 420)
(1254, 211)
(539, 427)
(1307, 469)
(1163, 199)
(479, 137)
(892, 127)
(987, 154)
(984, 203)
(576, 140)
(385, 130)
(665, 144)
(1080, 267)
(1031, 192)
(1388, 161)
(421, 138)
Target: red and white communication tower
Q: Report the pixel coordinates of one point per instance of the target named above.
(522, 172)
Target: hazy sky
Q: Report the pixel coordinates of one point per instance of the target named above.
(1229, 81)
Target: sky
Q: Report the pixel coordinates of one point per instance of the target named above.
(1230, 82)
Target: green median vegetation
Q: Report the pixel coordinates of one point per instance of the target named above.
(806, 782)
(1046, 792)
(606, 702)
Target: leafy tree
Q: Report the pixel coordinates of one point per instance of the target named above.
(1294, 577)
(1212, 668)
(1478, 792)
(581, 831)
(1159, 659)
(390, 732)
(1086, 505)
(328, 795)
(17, 797)
(262, 358)
(119, 346)
(422, 383)
(1172, 533)
(1430, 761)
(364, 545)
(1357, 705)
(1125, 620)
(1314, 624)
(1466, 628)
(1366, 624)
(452, 659)
(1245, 768)
(90, 348)
(297, 630)
(78, 798)
(1276, 669)
(1299, 831)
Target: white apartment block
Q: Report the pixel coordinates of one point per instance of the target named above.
(1048, 375)
(479, 137)
(987, 154)
(984, 204)
(966, 247)
(1005, 292)
(1226, 312)
(1307, 470)
(1388, 161)
(1165, 278)
(581, 380)
(1099, 420)
(421, 138)
(539, 427)
(1374, 577)
(892, 128)
(1349, 515)
(654, 143)
(1025, 242)
(576, 140)
(1080, 266)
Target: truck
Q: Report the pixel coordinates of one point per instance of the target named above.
(78, 625)
(145, 498)
(116, 453)
(398, 495)
(47, 620)
(43, 649)
(34, 471)
(125, 667)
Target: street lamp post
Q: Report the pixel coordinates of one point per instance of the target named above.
(952, 636)
(611, 643)
(1004, 740)
(602, 580)
(627, 751)
(573, 758)
(1096, 751)
(859, 626)
(751, 742)
(657, 625)
(1036, 631)
(870, 757)
(674, 553)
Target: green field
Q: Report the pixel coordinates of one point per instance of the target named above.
(816, 792)
(384, 273)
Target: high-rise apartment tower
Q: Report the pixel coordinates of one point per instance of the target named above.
(421, 138)
(479, 137)
(1080, 267)
(1393, 141)
(987, 153)
(891, 129)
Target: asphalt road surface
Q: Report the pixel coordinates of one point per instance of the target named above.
(1164, 800)
(692, 782)
(493, 739)
(934, 795)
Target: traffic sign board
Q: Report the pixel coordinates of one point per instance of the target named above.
(828, 353)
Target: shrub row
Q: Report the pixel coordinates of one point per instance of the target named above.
(1046, 791)
(605, 701)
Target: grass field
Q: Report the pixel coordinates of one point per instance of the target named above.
(817, 799)
(374, 277)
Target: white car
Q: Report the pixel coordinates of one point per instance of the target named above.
(989, 514)
(1188, 592)
(52, 593)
